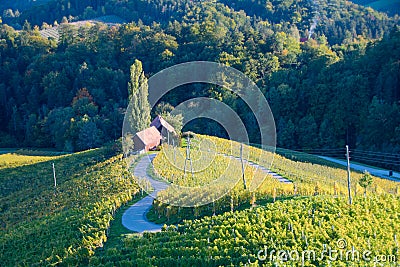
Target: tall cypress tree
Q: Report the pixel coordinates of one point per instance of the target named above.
(138, 95)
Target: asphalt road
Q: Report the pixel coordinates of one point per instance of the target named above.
(374, 171)
(134, 218)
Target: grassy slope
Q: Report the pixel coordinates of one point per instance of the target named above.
(303, 168)
(41, 227)
(234, 238)
(210, 241)
(10, 160)
(311, 174)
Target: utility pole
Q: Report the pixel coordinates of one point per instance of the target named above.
(167, 137)
(348, 174)
(241, 159)
(55, 179)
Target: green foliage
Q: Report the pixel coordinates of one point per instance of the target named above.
(138, 96)
(235, 238)
(11, 160)
(42, 226)
(299, 169)
(340, 86)
(310, 176)
(389, 6)
(286, 133)
(365, 181)
(165, 111)
(332, 77)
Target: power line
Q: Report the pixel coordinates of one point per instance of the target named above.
(380, 158)
(348, 174)
(378, 153)
(376, 157)
(319, 149)
(377, 161)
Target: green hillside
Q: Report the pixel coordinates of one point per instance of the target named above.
(236, 238)
(309, 175)
(389, 6)
(329, 69)
(71, 225)
(319, 220)
(11, 160)
(41, 226)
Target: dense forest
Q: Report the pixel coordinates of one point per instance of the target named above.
(330, 69)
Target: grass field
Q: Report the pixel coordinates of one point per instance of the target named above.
(79, 223)
(11, 160)
(300, 224)
(292, 222)
(310, 174)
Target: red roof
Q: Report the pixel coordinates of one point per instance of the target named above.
(150, 136)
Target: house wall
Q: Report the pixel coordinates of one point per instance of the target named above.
(138, 144)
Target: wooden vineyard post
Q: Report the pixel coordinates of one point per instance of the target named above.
(348, 174)
(184, 166)
(213, 208)
(167, 137)
(55, 179)
(173, 145)
(241, 160)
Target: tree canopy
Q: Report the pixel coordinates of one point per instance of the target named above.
(340, 86)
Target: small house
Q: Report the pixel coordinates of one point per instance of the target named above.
(163, 126)
(146, 140)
